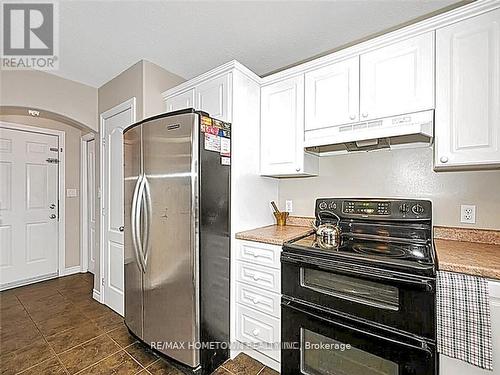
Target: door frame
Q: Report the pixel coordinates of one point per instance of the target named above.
(84, 227)
(126, 105)
(61, 187)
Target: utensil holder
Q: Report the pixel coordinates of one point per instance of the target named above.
(281, 218)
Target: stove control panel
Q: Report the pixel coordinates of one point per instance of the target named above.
(377, 209)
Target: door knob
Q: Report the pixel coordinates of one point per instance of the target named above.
(121, 229)
(53, 216)
(443, 159)
(52, 206)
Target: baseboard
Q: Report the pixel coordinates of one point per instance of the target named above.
(70, 271)
(262, 358)
(32, 280)
(96, 295)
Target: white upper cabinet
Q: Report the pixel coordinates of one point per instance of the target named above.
(212, 96)
(398, 78)
(468, 93)
(332, 95)
(180, 101)
(282, 130)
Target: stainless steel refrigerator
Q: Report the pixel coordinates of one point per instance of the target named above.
(177, 236)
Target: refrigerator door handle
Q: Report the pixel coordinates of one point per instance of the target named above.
(137, 223)
(147, 221)
(133, 220)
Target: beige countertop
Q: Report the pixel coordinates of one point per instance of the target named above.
(274, 234)
(473, 258)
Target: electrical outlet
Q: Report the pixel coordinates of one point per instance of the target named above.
(289, 206)
(468, 214)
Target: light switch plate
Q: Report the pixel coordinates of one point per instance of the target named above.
(468, 214)
(71, 193)
(289, 206)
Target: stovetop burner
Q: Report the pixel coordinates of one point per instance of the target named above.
(384, 249)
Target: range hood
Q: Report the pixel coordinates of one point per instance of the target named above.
(409, 130)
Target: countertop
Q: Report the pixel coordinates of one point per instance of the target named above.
(470, 251)
(274, 234)
(473, 258)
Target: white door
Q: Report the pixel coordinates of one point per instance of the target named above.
(282, 127)
(180, 101)
(332, 95)
(28, 206)
(398, 78)
(468, 92)
(213, 97)
(91, 196)
(113, 123)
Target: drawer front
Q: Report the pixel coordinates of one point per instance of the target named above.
(258, 276)
(258, 299)
(253, 327)
(259, 253)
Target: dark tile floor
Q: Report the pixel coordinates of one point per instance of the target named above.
(55, 327)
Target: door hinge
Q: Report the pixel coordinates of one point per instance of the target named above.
(103, 211)
(102, 281)
(103, 141)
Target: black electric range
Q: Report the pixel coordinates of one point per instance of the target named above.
(374, 293)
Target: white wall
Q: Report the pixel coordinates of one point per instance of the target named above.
(405, 173)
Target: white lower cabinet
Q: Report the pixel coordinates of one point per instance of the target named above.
(257, 311)
(451, 366)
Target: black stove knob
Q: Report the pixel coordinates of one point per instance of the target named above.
(332, 206)
(417, 209)
(323, 206)
(404, 208)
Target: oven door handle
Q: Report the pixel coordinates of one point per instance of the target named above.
(422, 343)
(305, 261)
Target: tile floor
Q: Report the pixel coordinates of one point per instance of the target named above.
(55, 327)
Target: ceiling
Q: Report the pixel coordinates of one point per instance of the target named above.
(99, 39)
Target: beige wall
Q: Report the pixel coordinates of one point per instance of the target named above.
(44, 91)
(399, 173)
(156, 80)
(126, 85)
(72, 174)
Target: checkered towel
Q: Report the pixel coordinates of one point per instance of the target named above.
(463, 318)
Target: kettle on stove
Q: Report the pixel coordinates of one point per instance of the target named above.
(327, 234)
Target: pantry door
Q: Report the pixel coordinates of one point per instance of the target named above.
(113, 123)
(29, 207)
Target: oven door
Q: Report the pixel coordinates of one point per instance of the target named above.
(389, 298)
(316, 343)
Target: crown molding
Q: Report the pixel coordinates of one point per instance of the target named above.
(220, 70)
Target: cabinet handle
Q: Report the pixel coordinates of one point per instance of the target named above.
(444, 159)
(255, 332)
(297, 169)
(365, 114)
(255, 300)
(352, 117)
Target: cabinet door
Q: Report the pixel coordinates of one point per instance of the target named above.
(398, 78)
(181, 101)
(282, 127)
(213, 97)
(332, 95)
(467, 125)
